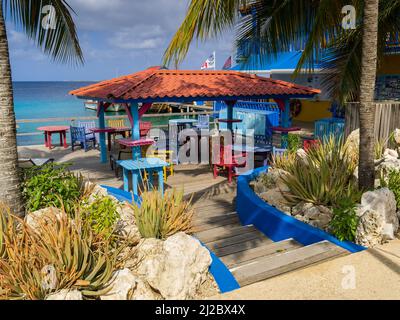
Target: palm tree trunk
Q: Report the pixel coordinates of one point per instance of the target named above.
(10, 192)
(366, 171)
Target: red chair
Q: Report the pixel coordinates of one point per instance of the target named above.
(308, 144)
(145, 128)
(226, 161)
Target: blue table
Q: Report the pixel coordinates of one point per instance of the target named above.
(136, 166)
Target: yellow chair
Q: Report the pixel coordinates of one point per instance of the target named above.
(117, 123)
(167, 156)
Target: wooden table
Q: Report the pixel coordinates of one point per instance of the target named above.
(135, 167)
(284, 133)
(50, 130)
(110, 131)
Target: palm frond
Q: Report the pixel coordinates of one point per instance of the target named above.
(61, 43)
(204, 18)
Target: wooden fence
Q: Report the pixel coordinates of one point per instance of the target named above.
(387, 118)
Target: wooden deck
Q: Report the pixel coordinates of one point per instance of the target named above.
(248, 253)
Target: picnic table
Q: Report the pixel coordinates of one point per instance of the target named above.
(50, 130)
(135, 167)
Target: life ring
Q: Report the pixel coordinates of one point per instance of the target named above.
(295, 108)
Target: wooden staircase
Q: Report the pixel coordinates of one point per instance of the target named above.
(248, 253)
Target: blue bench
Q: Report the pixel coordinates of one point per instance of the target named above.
(135, 167)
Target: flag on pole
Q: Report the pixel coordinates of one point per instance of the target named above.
(209, 63)
(228, 64)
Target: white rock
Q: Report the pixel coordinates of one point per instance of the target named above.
(383, 202)
(396, 135)
(124, 282)
(66, 294)
(126, 225)
(175, 268)
(390, 154)
(353, 143)
(274, 197)
(47, 216)
(100, 192)
(370, 229)
(301, 155)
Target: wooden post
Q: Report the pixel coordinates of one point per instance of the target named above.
(136, 153)
(102, 125)
(230, 106)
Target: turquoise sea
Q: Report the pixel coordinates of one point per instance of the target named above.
(39, 100)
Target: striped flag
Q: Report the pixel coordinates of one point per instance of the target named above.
(228, 64)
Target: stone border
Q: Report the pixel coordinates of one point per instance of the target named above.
(222, 276)
(275, 224)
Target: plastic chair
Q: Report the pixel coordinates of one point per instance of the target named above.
(78, 134)
(203, 121)
(308, 144)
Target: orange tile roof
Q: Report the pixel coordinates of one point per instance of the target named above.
(155, 84)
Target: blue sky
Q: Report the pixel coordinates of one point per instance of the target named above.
(117, 37)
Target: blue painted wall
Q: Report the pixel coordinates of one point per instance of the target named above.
(275, 224)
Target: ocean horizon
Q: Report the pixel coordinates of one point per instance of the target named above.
(50, 99)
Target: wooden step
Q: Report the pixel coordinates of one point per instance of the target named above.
(238, 243)
(215, 222)
(223, 232)
(204, 214)
(270, 266)
(265, 249)
(221, 203)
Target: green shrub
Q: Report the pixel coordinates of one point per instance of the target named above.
(161, 216)
(50, 185)
(393, 183)
(324, 177)
(102, 215)
(345, 220)
(294, 142)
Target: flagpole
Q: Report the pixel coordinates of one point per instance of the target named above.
(215, 61)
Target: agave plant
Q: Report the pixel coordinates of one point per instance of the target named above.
(160, 216)
(58, 254)
(324, 176)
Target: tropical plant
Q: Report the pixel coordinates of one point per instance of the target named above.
(102, 215)
(160, 216)
(345, 220)
(268, 27)
(392, 181)
(294, 142)
(61, 43)
(51, 185)
(60, 253)
(323, 177)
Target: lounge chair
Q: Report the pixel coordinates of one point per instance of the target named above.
(78, 135)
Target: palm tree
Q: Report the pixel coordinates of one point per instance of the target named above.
(350, 56)
(61, 43)
(366, 171)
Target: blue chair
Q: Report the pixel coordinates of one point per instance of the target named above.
(89, 125)
(78, 135)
